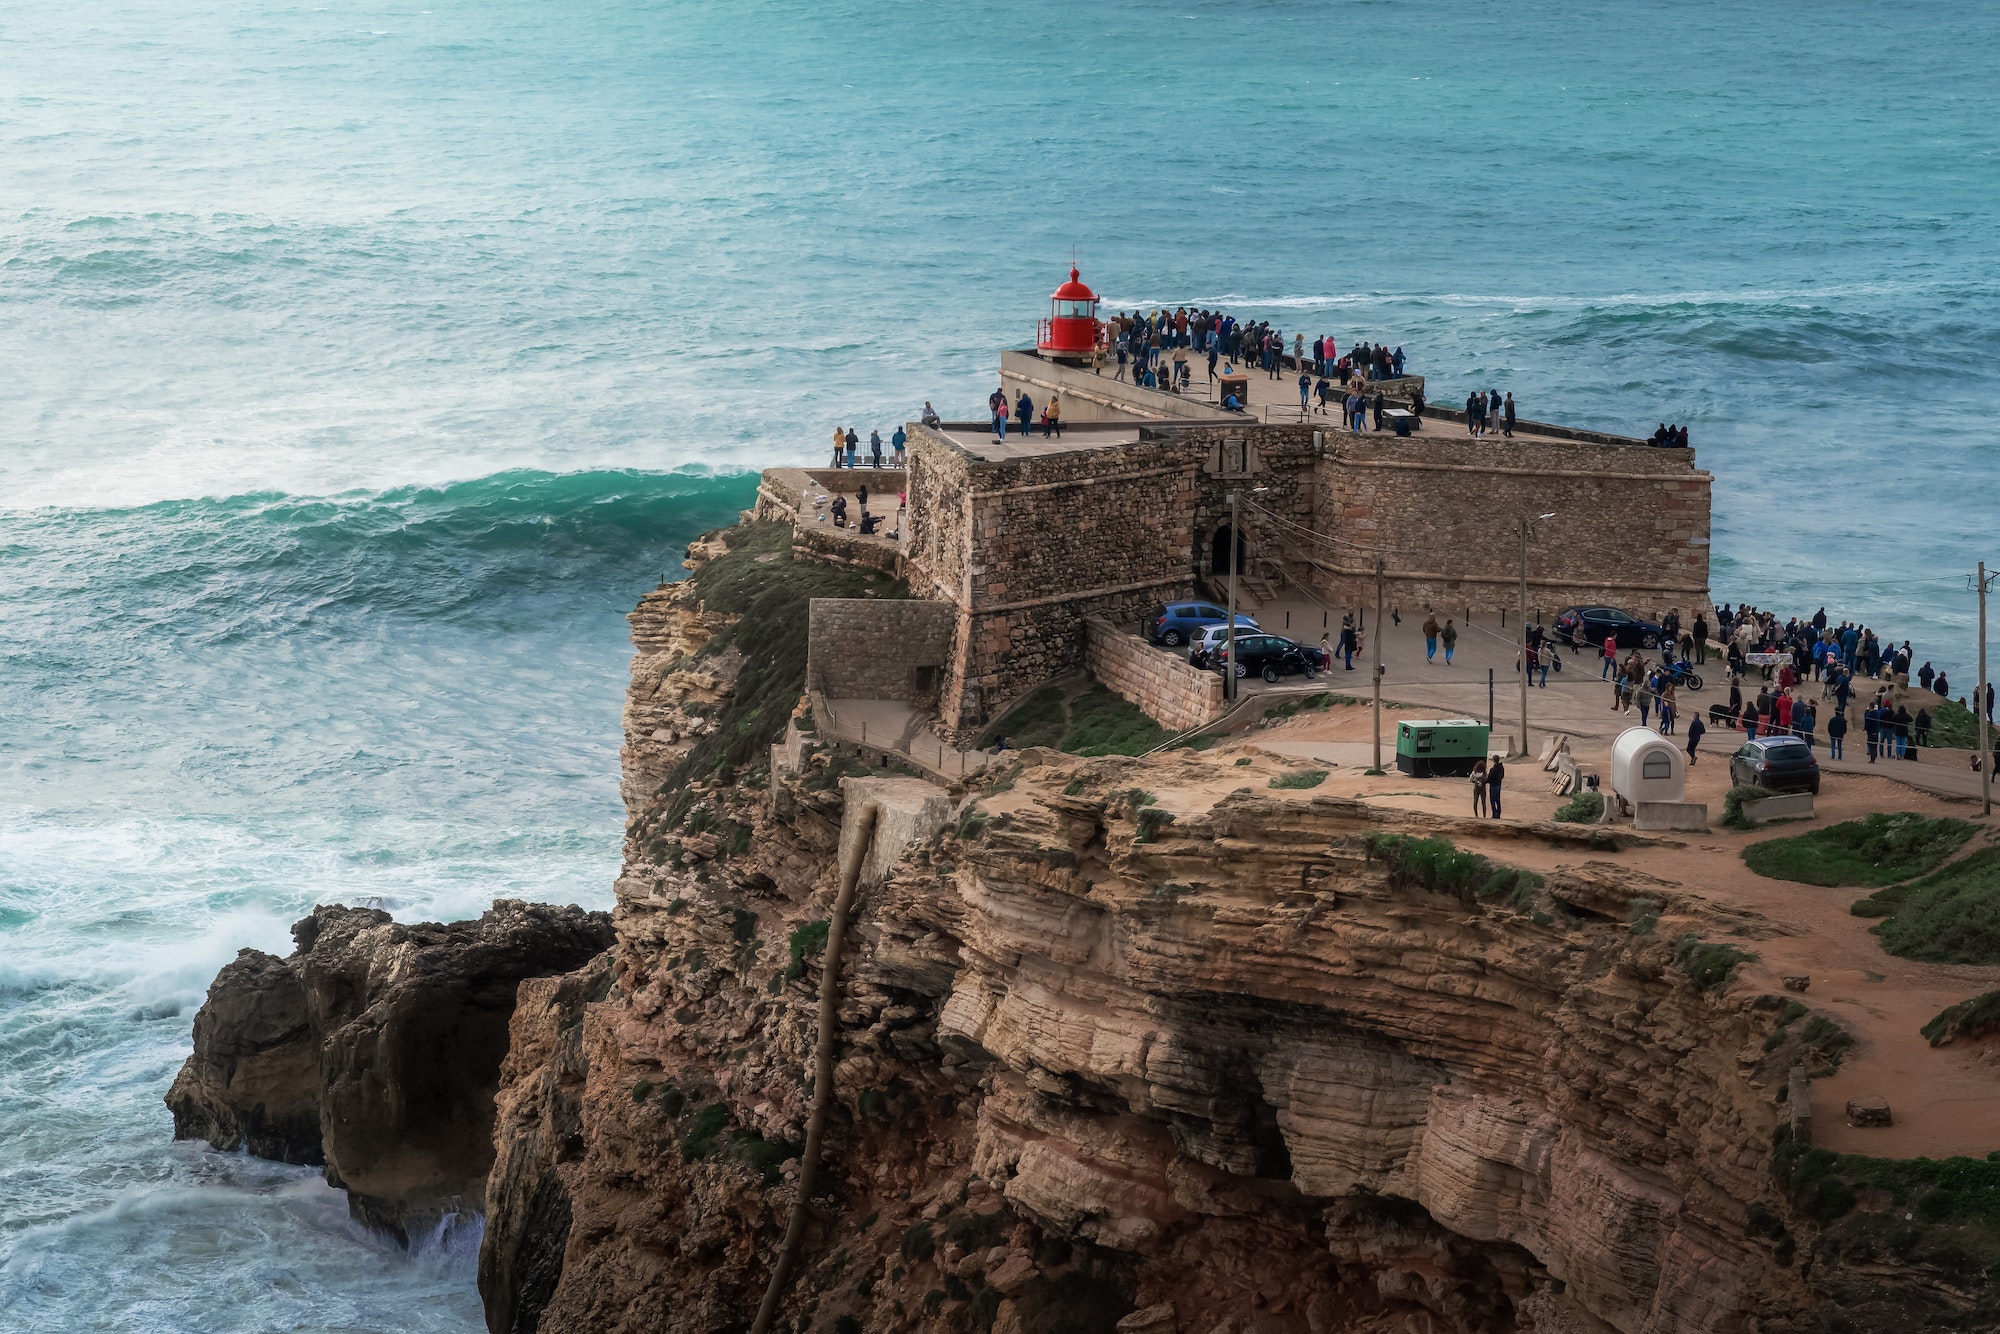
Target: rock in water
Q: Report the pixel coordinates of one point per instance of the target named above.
(375, 1050)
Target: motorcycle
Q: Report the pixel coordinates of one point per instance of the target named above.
(1681, 673)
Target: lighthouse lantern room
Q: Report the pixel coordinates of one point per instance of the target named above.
(1070, 331)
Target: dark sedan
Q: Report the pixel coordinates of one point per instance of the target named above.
(1775, 763)
(1272, 656)
(1589, 627)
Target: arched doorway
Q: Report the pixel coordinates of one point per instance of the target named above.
(1218, 553)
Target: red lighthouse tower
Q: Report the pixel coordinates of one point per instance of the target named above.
(1070, 331)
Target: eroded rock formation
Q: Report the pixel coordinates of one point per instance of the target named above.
(1124, 1047)
(374, 1050)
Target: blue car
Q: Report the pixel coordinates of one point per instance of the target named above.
(1178, 622)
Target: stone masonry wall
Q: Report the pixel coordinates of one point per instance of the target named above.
(865, 648)
(1166, 688)
(1631, 523)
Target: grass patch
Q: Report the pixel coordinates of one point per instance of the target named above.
(1951, 724)
(1583, 808)
(1967, 1019)
(773, 598)
(1438, 865)
(1708, 966)
(1151, 821)
(1881, 849)
(1943, 1213)
(1101, 723)
(1300, 778)
(1040, 719)
(807, 941)
(700, 1139)
(766, 1157)
(1949, 916)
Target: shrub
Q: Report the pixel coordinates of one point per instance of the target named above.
(1708, 966)
(1300, 778)
(1583, 808)
(1732, 805)
(1645, 914)
(1437, 865)
(644, 1088)
(1967, 1019)
(1879, 850)
(918, 1242)
(1151, 821)
(1074, 787)
(699, 1141)
(1826, 1040)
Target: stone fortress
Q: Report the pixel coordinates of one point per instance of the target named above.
(1021, 552)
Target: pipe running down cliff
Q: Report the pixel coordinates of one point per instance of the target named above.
(829, 1004)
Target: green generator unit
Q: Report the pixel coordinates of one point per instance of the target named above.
(1440, 746)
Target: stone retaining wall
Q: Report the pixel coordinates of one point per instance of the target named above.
(868, 648)
(828, 545)
(1164, 685)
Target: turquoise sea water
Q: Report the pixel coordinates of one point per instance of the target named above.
(363, 362)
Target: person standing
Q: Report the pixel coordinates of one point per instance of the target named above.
(1836, 733)
(1024, 413)
(1000, 415)
(1900, 729)
(1479, 787)
(897, 442)
(1696, 730)
(853, 443)
(1449, 638)
(1430, 638)
(1642, 695)
(1666, 708)
(1379, 405)
(1507, 416)
(1921, 736)
(1496, 773)
(1871, 727)
(875, 449)
(1700, 638)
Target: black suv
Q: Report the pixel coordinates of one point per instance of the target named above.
(1589, 627)
(1776, 763)
(1272, 656)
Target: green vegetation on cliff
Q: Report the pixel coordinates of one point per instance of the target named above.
(758, 580)
(1440, 866)
(1079, 721)
(1881, 849)
(1943, 1213)
(1967, 1019)
(1949, 916)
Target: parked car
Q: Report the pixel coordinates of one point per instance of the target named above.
(1586, 627)
(1776, 763)
(1177, 622)
(1270, 656)
(1206, 648)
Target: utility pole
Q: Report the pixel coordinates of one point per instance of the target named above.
(1524, 634)
(1379, 567)
(1979, 707)
(1235, 546)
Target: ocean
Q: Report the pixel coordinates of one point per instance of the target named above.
(363, 363)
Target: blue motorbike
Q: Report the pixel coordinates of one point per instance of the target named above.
(1681, 674)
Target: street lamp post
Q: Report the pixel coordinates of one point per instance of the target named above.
(1379, 568)
(1525, 521)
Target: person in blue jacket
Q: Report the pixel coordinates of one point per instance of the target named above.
(1024, 412)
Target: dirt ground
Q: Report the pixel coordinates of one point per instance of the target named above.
(1943, 1099)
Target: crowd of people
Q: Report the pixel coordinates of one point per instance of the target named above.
(1808, 675)
(1021, 412)
(1155, 349)
(1669, 437)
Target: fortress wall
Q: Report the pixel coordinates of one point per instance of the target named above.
(869, 648)
(1631, 523)
(1172, 693)
(1088, 396)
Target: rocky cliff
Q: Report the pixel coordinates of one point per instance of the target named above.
(374, 1050)
(1132, 1044)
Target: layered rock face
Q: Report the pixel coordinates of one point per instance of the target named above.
(1206, 1064)
(374, 1050)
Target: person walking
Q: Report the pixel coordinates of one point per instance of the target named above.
(1430, 638)
(1610, 655)
(1305, 392)
(1666, 708)
(1696, 730)
(1836, 733)
(1496, 773)
(1479, 787)
(1449, 638)
(1642, 695)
